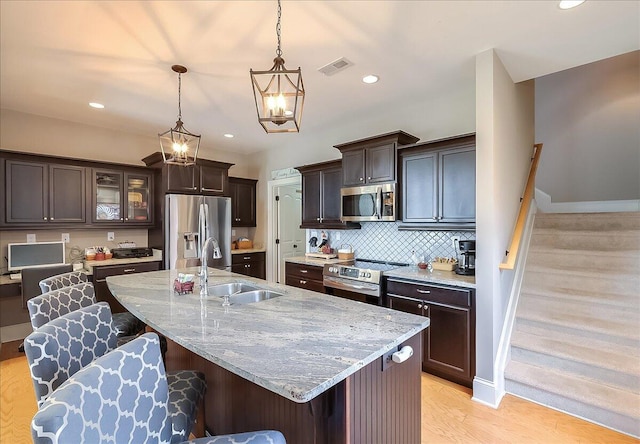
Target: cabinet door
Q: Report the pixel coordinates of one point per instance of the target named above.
(331, 184)
(107, 201)
(381, 163)
(138, 198)
(243, 195)
(311, 198)
(213, 181)
(353, 168)
(181, 179)
(458, 185)
(448, 346)
(27, 190)
(67, 194)
(419, 188)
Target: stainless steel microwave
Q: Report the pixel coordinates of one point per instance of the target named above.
(371, 203)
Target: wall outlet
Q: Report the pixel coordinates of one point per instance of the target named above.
(31, 238)
(233, 232)
(111, 235)
(65, 237)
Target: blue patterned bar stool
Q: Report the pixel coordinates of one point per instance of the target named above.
(65, 345)
(56, 303)
(122, 396)
(126, 324)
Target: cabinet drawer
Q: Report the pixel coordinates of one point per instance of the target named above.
(101, 272)
(306, 272)
(436, 293)
(303, 282)
(247, 257)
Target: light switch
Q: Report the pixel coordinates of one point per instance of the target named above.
(65, 238)
(110, 235)
(31, 238)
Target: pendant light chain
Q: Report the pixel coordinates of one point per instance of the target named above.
(278, 51)
(179, 95)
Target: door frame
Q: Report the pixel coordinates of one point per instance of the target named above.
(273, 250)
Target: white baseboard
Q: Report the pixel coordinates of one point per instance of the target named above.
(485, 392)
(543, 200)
(15, 332)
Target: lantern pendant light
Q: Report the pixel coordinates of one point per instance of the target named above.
(279, 93)
(179, 146)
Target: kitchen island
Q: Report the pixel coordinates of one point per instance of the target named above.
(313, 366)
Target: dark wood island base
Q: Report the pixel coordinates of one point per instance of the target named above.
(371, 406)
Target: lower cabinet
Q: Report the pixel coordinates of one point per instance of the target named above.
(249, 264)
(100, 274)
(449, 342)
(308, 277)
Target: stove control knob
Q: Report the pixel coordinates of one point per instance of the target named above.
(368, 275)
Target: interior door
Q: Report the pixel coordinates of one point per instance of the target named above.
(290, 235)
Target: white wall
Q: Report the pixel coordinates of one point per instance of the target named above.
(588, 118)
(504, 143)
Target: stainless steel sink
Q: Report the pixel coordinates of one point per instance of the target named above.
(252, 296)
(230, 289)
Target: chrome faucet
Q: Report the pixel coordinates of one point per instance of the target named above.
(204, 272)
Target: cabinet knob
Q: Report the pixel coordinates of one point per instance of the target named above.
(52, 218)
(369, 178)
(303, 282)
(362, 179)
(419, 305)
(318, 219)
(44, 218)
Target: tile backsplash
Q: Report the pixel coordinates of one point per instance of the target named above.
(383, 241)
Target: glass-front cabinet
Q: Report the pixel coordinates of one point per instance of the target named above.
(121, 197)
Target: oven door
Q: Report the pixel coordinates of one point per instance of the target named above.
(354, 290)
(368, 203)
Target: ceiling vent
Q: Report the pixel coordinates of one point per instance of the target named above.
(335, 66)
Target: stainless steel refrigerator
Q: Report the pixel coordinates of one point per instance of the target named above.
(189, 221)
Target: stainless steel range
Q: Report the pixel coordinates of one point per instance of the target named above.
(360, 280)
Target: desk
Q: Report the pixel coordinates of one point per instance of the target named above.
(305, 363)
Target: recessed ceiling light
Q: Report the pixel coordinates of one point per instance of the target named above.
(228, 136)
(370, 78)
(568, 4)
(96, 105)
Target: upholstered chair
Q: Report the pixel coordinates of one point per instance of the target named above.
(126, 324)
(54, 304)
(59, 349)
(122, 396)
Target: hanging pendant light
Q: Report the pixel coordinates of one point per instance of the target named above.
(279, 93)
(179, 146)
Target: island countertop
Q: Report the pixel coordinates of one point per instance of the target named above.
(297, 345)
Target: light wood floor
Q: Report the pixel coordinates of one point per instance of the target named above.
(448, 414)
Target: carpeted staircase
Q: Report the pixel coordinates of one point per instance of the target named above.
(575, 346)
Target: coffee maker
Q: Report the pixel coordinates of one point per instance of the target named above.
(466, 251)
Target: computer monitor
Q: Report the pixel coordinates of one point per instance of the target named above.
(34, 255)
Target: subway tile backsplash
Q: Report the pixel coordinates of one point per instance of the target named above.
(383, 241)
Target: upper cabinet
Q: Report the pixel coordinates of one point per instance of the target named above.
(321, 183)
(207, 177)
(121, 196)
(439, 182)
(44, 193)
(372, 160)
(243, 202)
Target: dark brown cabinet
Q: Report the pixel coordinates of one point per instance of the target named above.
(243, 202)
(40, 193)
(206, 177)
(439, 182)
(121, 196)
(308, 277)
(449, 342)
(100, 274)
(372, 160)
(249, 264)
(321, 185)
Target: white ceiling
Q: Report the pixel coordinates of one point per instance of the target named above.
(56, 56)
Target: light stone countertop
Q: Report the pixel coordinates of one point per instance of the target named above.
(88, 265)
(318, 262)
(297, 345)
(247, 250)
(434, 277)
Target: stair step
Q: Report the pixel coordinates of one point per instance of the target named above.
(600, 403)
(589, 221)
(595, 359)
(604, 240)
(628, 302)
(537, 278)
(627, 262)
